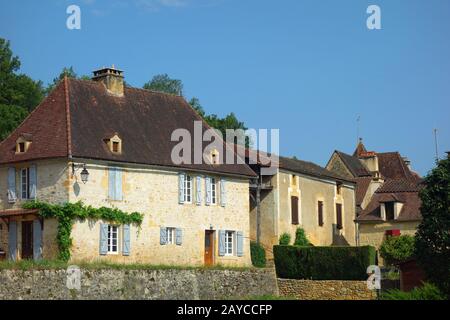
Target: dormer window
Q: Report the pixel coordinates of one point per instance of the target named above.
(115, 144)
(23, 143)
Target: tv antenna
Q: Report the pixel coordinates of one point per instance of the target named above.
(436, 144)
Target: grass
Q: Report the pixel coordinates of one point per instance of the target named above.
(98, 265)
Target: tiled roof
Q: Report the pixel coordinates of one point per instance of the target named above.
(360, 149)
(362, 184)
(400, 185)
(77, 116)
(392, 166)
(309, 168)
(355, 166)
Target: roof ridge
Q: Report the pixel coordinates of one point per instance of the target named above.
(68, 126)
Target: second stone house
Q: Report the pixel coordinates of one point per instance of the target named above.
(301, 194)
(109, 145)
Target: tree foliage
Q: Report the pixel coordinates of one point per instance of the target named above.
(397, 249)
(300, 238)
(163, 83)
(433, 235)
(10, 118)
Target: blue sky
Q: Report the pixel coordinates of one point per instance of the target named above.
(307, 67)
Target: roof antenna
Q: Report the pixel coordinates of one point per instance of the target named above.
(358, 137)
(436, 144)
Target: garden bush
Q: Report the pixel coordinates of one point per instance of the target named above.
(300, 238)
(258, 255)
(427, 292)
(323, 263)
(285, 239)
(397, 249)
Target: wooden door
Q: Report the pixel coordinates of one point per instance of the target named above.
(27, 239)
(209, 247)
(339, 216)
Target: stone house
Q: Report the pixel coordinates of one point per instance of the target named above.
(387, 193)
(301, 194)
(194, 214)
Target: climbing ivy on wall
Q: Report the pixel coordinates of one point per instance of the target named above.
(67, 213)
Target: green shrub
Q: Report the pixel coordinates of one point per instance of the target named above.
(258, 255)
(427, 292)
(323, 263)
(285, 239)
(397, 249)
(300, 238)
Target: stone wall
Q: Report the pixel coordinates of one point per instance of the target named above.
(138, 284)
(325, 290)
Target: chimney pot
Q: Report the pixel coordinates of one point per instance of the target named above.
(112, 79)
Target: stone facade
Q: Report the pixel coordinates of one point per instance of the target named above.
(153, 192)
(325, 290)
(276, 210)
(138, 284)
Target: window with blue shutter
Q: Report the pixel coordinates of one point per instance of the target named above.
(118, 182)
(115, 184)
(223, 193)
(33, 182)
(163, 236)
(178, 236)
(103, 239)
(239, 244)
(37, 240)
(221, 243)
(12, 240)
(12, 197)
(126, 247)
(208, 190)
(181, 177)
(198, 188)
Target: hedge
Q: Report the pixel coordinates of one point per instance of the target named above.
(258, 255)
(323, 263)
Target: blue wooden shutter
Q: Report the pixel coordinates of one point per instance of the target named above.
(208, 190)
(126, 248)
(103, 239)
(12, 240)
(37, 240)
(33, 181)
(198, 188)
(163, 236)
(178, 236)
(12, 197)
(223, 193)
(181, 177)
(239, 244)
(221, 243)
(118, 184)
(112, 183)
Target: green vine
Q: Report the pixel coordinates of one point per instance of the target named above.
(67, 213)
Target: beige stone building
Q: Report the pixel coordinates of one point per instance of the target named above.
(302, 194)
(387, 190)
(108, 145)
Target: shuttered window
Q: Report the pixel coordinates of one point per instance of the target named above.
(229, 243)
(294, 210)
(115, 184)
(113, 239)
(320, 212)
(338, 216)
(213, 191)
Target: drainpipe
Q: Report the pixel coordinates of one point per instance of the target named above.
(258, 211)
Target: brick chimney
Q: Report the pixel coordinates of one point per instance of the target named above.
(112, 78)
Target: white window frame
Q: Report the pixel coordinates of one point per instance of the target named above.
(25, 184)
(113, 230)
(229, 240)
(171, 234)
(188, 188)
(214, 191)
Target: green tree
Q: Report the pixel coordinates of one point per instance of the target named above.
(433, 235)
(65, 72)
(163, 83)
(10, 118)
(300, 238)
(17, 89)
(397, 249)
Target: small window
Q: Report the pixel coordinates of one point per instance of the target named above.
(294, 179)
(389, 207)
(294, 210)
(170, 235)
(115, 146)
(229, 243)
(213, 191)
(339, 188)
(339, 216)
(22, 147)
(188, 189)
(113, 239)
(25, 182)
(320, 213)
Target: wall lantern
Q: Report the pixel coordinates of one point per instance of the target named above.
(84, 173)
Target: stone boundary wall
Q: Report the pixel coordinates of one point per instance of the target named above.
(325, 290)
(111, 284)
